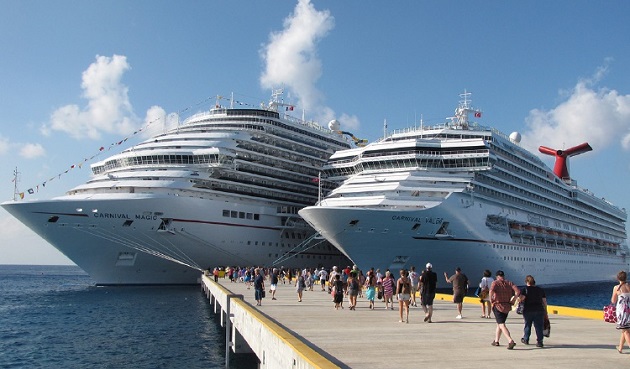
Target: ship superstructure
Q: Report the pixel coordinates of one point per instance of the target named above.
(223, 188)
(460, 194)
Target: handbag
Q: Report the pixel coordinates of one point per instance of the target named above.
(262, 294)
(484, 294)
(546, 326)
(519, 308)
(610, 313)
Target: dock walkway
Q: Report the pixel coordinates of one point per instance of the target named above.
(374, 339)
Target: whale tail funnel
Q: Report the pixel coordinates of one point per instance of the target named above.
(560, 168)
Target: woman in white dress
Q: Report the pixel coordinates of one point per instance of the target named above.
(621, 297)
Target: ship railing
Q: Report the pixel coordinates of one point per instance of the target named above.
(310, 242)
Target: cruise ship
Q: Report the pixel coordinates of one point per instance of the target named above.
(223, 188)
(459, 194)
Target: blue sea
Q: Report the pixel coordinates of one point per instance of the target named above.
(55, 317)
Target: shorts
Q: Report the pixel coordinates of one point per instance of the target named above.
(499, 316)
(427, 299)
(458, 297)
(272, 287)
(404, 296)
(258, 295)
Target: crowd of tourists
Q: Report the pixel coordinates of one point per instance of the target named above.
(497, 295)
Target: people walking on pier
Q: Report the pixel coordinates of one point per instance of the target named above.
(259, 286)
(274, 283)
(403, 294)
(534, 310)
(331, 281)
(484, 295)
(323, 275)
(353, 289)
(460, 286)
(414, 278)
(389, 286)
(248, 278)
(338, 291)
(503, 293)
(300, 285)
(370, 284)
(621, 297)
(361, 283)
(427, 285)
(308, 279)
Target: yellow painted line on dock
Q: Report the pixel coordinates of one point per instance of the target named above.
(303, 350)
(551, 309)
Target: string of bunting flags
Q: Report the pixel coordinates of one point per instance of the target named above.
(35, 189)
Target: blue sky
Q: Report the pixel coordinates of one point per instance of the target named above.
(79, 75)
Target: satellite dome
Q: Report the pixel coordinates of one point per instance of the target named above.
(334, 125)
(515, 137)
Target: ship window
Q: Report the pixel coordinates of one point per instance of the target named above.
(226, 213)
(354, 222)
(127, 223)
(256, 216)
(249, 215)
(241, 215)
(415, 226)
(53, 219)
(233, 214)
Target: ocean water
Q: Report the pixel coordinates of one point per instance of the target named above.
(55, 317)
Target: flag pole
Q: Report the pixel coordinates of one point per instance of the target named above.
(319, 188)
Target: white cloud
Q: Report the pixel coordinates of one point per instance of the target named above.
(108, 108)
(292, 61)
(4, 145)
(157, 121)
(598, 116)
(291, 55)
(31, 151)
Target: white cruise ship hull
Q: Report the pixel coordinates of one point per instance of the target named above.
(401, 238)
(121, 239)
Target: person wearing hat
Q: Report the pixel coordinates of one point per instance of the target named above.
(460, 286)
(503, 293)
(427, 284)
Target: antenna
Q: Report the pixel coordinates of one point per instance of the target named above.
(384, 128)
(15, 183)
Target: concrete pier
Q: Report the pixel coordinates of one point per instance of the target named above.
(285, 333)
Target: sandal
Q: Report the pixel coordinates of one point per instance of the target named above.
(495, 343)
(511, 345)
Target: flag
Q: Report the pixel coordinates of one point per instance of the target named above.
(477, 114)
(289, 108)
(30, 191)
(22, 195)
(315, 180)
